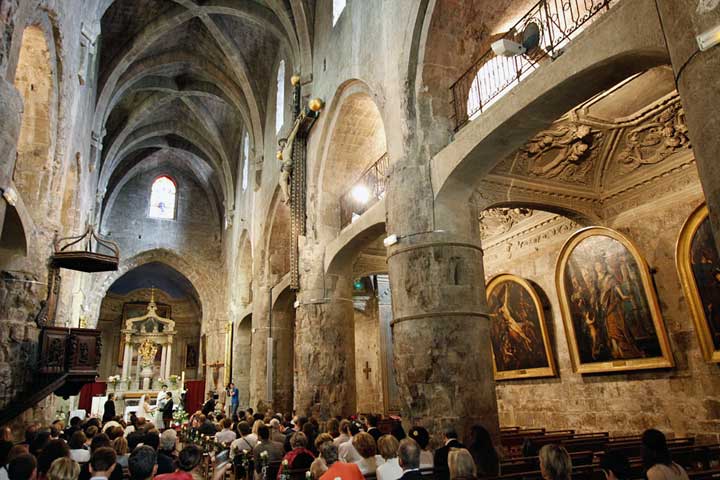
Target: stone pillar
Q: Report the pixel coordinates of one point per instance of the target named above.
(139, 369)
(163, 357)
(11, 114)
(442, 349)
(127, 358)
(325, 349)
(258, 363)
(168, 359)
(697, 83)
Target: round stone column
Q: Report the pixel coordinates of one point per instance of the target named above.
(696, 72)
(441, 342)
(325, 349)
(258, 363)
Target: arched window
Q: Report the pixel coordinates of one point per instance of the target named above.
(280, 99)
(246, 161)
(338, 7)
(162, 198)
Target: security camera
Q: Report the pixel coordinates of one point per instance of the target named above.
(507, 48)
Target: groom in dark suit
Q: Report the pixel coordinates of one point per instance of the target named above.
(109, 408)
(409, 459)
(440, 461)
(167, 411)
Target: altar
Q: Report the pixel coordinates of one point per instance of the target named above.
(146, 366)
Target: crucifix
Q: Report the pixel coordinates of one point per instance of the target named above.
(367, 370)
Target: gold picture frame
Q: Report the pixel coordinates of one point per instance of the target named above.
(608, 303)
(525, 350)
(692, 243)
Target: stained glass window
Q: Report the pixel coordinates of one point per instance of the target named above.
(162, 198)
(280, 99)
(246, 161)
(338, 7)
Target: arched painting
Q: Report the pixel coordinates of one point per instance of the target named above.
(609, 307)
(520, 342)
(698, 264)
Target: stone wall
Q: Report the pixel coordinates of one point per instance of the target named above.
(367, 356)
(682, 401)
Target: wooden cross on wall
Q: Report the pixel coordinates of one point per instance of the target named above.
(367, 370)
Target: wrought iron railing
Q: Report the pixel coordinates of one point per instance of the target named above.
(558, 21)
(365, 192)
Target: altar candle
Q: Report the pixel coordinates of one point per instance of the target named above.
(182, 381)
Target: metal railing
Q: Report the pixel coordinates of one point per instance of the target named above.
(491, 76)
(365, 192)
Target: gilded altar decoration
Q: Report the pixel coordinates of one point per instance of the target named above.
(147, 351)
(609, 307)
(698, 265)
(519, 336)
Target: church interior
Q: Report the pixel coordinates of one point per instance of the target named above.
(436, 213)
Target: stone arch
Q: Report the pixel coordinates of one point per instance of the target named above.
(198, 279)
(35, 77)
(242, 349)
(352, 140)
(277, 240)
(282, 330)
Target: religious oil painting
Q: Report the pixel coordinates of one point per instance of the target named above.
(698, 265)
(520, 341)
(609, 306)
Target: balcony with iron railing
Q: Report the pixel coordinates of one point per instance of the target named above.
(365, 192)
(490, 77)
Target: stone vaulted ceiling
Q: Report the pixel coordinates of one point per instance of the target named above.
(191, 76)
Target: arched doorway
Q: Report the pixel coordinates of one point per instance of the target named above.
(242, 349)
(282, 332)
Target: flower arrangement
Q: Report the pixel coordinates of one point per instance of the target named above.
(180, 416)
(114, 380)
(174, 379)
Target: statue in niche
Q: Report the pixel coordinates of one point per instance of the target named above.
(286, 168)
(653, 142)
(571, 144)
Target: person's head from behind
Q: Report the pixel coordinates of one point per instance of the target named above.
(168, 440)
(120, 445)
(354, 429)
(461, 464)
(226, 423)
(480, 438)
(22, 467)
(654, 448)
(615, 466)
(372, 421)
(388, 446)
(244, 428)
(364, 443)
(77, 440)
(555, 463)
(100, 441)
(102, 462)
(263, 433)
(189, 458)
(152, 439)
(41, 439)
(75, 422)
(409, 454)
(322, 438)
(421, 436)
(329, 453)
(298, 440)
(450, 434)
(142, 463)
(30, 433)
(345, 426)
(91, 431)
(53, 450)
(135, 439)
(111, 396)
(64, 469)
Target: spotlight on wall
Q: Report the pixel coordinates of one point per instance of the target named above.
(530, 40)
(507, 48)
(390, 240)
(361, 194)
(709, 38)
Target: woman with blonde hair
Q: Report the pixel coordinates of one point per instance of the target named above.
(391, 469)
(555, 463)
(120, 445)
(364, 443)
(461, 464)
(63, 469)
(318, 467)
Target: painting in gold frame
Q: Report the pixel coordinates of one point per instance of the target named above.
(609, 307)
(698, 265)
(518, 332)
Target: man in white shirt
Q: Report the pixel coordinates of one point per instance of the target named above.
(346, 451)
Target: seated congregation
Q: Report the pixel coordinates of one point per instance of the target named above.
(256, 446)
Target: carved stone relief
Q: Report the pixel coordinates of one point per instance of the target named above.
(496, 221)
